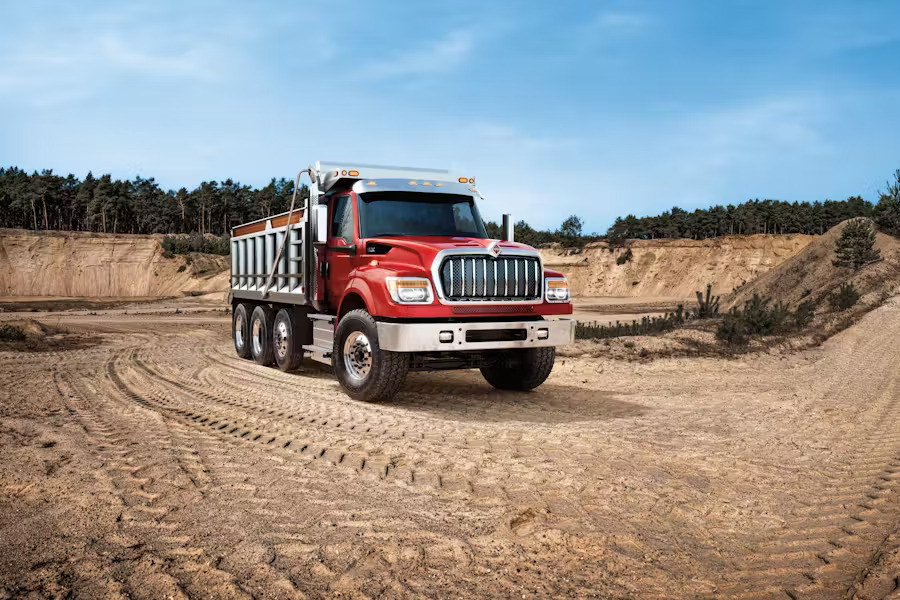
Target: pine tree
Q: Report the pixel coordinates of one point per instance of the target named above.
(855, 248)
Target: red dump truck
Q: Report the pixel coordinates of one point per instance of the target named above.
(387, 270)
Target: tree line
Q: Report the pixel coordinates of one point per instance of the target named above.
(45, 200)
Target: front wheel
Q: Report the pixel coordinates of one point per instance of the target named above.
(521, 369)
(364, 370)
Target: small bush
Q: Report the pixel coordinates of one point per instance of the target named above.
(195, 242)
(646, 326)
(733, 330)
(845, 297)
(182, 268)
(625, 257)
(804, 314)
(11, 333)
(706, 307)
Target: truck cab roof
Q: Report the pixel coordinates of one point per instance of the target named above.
(336, 175)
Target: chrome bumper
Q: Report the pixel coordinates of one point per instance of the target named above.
(426, 337)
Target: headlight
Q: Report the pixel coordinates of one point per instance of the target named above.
(557, 289)
(410, 290)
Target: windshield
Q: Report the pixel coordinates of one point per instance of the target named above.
(418, 214)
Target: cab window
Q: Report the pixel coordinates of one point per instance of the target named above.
(342, 219)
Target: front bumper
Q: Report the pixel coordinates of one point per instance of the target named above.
(426, 337)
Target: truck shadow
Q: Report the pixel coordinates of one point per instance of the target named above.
(466, 396)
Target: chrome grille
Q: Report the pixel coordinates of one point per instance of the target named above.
(485, 278)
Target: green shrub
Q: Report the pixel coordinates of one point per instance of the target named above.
(11, 333)
(804, 314)
(733, 330)
(706, 307)
(195, 242)
(646, 326)
(845, 297)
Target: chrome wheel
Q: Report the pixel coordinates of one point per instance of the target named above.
(239, 332)
(281, 339)
(357, 355)
(257, 338)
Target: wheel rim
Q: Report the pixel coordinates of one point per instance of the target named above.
(357, 355)
(239, 332)
(281, 339)
(257, 337)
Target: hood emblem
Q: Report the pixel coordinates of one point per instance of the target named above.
(495, 249)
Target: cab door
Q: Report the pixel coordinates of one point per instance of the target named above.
(342, 250)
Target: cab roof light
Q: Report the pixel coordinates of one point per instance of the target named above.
(471, 180)
(344, 172)
(412, 183)
(353, 173)
(463, 180)
(426, 183)
(370, 183)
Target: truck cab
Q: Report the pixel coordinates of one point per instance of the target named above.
(388, 270)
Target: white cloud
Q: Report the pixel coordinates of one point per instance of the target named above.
(436, 57)
(619, 21)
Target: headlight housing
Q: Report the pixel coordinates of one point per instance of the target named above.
(410, 290)
(556, 289)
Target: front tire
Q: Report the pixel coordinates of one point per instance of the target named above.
(285, 345)
(240, 329)
(364, 370)
(261, 335)
(521, 370)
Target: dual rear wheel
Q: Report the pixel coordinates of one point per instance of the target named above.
(267, 336)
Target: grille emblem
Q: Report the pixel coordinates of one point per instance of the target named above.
(495, 249)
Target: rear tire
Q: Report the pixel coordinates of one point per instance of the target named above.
(364, 370)
(261, 335)
(521, 370)
(240, 329)
(285, 347)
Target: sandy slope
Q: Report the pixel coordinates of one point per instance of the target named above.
(160, 465)
(98, 265)
(673, 268)
(811, 273)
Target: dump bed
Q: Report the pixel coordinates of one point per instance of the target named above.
(254, 247)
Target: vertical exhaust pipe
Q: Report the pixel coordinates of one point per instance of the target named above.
(507, 228)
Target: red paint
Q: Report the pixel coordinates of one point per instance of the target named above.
(408, 257)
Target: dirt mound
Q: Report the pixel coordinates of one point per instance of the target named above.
(102, 265)
(810, 273)
(672, 268)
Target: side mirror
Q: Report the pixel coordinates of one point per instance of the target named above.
(319, 223)
(507, 228)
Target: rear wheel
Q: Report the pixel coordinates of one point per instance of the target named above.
(240, 329)
(285, 345)
(261, 335)
(522, 369)
(364, 370)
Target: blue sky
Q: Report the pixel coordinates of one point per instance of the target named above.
(595, 108)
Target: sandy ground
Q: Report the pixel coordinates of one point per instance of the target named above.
(156, 464)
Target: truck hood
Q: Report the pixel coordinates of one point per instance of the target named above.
(407, 251)
(429, 246)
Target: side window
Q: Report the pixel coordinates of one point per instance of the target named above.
(342, 219)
